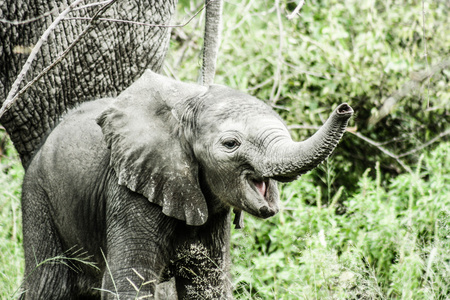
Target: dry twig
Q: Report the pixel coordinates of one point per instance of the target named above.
(384, 150)
(417, 79)
(296, 11)
(439, 136)
(13, 94)
(379, 145)
(142, 23)
(23, 22)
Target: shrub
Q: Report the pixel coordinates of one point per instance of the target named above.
(391, 242)
(360, 52)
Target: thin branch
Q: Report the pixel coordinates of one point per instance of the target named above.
(23, 22)
(10, 99)
(142, 23)
(296, 11)
(384, 150)
(439, 136)
(31, 20)
(90, 5)
(379, 145)
(417, 78)
(301, 71)
(260, 85)
(245, 14)
(13, 96)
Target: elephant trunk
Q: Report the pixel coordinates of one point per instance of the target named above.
(290, 159)
(211, 41)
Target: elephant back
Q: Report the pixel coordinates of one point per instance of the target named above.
(105, 62)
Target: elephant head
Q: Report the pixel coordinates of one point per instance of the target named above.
(195, 150)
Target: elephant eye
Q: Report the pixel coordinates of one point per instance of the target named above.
(231, 144)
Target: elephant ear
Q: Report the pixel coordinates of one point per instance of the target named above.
(148, 152)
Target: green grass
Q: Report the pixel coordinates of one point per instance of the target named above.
(392, 241)
(359, 52)
(11, 252)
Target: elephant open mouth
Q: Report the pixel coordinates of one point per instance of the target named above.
(261, 186)
(265, 204)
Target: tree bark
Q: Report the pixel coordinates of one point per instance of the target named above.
(102, 64)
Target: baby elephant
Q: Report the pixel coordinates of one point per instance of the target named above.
(126, 193)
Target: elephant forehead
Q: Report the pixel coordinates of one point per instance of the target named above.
(225, 109)
(238, 110)
(246, 126)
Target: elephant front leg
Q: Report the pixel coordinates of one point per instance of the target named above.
(138, 249)
(133, 270)
(129, 283)
(202, 260)
(201, 275)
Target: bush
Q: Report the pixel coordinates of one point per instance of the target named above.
(360, 52)
(391, 242)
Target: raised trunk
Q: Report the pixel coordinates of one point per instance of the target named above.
(103, 64)
(290, 159)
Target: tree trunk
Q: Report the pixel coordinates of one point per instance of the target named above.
(103, 64)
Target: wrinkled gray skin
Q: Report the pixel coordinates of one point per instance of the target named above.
(108, 60)
(143, 188)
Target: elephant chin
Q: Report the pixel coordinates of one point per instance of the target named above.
(261, 199)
